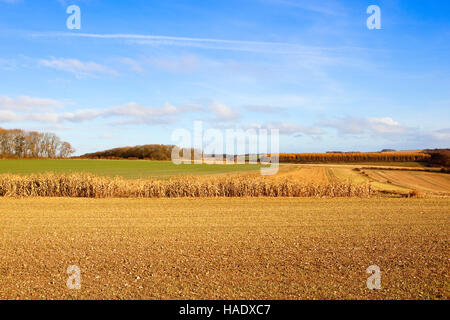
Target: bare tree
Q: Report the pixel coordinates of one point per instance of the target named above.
(65, 150)
(23, 144)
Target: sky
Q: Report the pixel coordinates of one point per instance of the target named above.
(138, 70)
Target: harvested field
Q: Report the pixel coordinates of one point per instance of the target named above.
(269, 248)
(395, 180)
(303, 174)
(426, 182)
(348, 175)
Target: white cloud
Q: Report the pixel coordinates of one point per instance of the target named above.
(288, 128)
(44, 117)
(265, 109)
(356, 125)
(292, 128)
(184, 63)
(223, 112)
(133, 64)
(79, 68)
(129, 113)
(321, 7)
(138, 110)
(9, 116)
(79, 115)
(49, 117)
(441, 135)
(166, 62)
(31, 109)
(25, 103)
(107, 136)
(385, 125)
(136, 113)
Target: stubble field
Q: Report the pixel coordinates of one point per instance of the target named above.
(265, 248)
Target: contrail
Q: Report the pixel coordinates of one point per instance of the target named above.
(206, 43)
(156, 37)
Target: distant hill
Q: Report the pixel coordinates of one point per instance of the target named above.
(436, 157)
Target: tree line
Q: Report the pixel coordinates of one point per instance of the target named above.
(354, 157)
(17, 143)
(439, 157)
(164, 152)
(147, 152)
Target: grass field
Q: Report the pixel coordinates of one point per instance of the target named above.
(126, 168)
(224, 248)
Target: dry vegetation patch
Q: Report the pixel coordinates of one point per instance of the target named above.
(91, 186)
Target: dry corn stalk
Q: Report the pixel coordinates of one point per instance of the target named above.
(92, 186)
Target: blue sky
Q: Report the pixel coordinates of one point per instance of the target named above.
(137, 70)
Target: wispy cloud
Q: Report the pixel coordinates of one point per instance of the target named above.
(357, 125)
(322, 7)
(288, 128)
(264, 109)
(107, 136)
(49, 117)
(76, 116)
(184, 63)
(25, 103)
(223, 112)
(11, 1)
(441, 135)
(136, 113)
(171, 63)
(9, 116)
(295, 129)
(388, 129)
(7, 64)
(133, 64)
(205, 43)
(79, 68)
(45, 111)
(40, 110)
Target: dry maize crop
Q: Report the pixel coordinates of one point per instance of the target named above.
(91, 186)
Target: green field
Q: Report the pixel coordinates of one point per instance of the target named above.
(125, 168)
